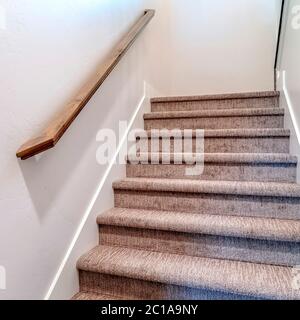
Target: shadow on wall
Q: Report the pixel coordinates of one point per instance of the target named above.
(50, 177)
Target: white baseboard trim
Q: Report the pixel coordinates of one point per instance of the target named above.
(290, 106)
(94, 199)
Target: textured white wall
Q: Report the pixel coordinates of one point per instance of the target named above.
(47, 51)
(214, 46)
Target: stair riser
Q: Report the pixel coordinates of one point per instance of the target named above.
(217, 247)
(233, 145)
(146, 290)
(215, 104)
(252, 206)
(217, 171)
(253, 122)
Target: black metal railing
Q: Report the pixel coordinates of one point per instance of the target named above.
(283, 3)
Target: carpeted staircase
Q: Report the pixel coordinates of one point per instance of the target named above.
(232, 233)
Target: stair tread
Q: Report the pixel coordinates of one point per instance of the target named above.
(82, 295)
(262, 189)
(243, 95)
(230, 226)
(266, 281)
(214, 113)
(208, 133)
(259, 158)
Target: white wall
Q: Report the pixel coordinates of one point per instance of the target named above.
(289, 66)
(48, 49)
(66, 282)
(214, 46)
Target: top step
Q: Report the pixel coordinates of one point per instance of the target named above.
(267, 99)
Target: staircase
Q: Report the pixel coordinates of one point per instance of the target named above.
(232, 233)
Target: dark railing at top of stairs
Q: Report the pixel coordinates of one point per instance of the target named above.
(279, 38)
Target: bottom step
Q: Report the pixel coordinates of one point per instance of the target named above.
(153, 275)
(135, 289)
(96, 296)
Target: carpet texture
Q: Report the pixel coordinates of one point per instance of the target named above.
(251, 279)
(226, 167)
(216, 119)
(231, 233)
(223, 101)
(233, 141)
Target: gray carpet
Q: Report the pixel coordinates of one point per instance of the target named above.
(231, 233)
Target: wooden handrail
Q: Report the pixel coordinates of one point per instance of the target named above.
(55, 130)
